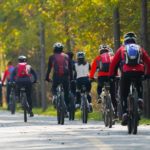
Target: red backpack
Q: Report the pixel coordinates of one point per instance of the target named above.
(60, 64)
(22, 70)
(104, 62)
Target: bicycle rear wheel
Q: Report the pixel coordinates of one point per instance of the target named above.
(135, 115)
(24, 102)
(12, 103)
(72, 107)
(84, 110)
(130, 114)
(109, 111)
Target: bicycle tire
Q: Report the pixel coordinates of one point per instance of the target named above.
(72, 107)
(84, 110)
(135, 113)
(105, 112)
(12, 103)
(24, 99)
(130, 114)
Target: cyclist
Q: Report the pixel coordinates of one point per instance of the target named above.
(82, 68)
(101, 64)
(6, 77)
(23, 75)
(72, 80)
(61, 65)
(131, 57)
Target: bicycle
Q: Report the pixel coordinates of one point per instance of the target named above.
(133, 110)
(60, 104)
(71, 106)
(24, 102)
(107, 107)
(12, 98)
(85, 106)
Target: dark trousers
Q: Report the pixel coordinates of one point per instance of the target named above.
(101, 81)
(8, 90)
(27, 84)
(80, 82)
(65, 82)
(125, 83)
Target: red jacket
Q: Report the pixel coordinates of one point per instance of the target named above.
(94, 67)
(7, 74)
(126, 68)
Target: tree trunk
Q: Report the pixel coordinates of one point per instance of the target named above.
(144, 37)
(116, 20)
(42, 46)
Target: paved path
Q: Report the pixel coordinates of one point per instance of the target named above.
(43, 133)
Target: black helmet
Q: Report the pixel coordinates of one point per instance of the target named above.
(22, 58)
(80, 55)
(70, 54)
(103, 48)
(58, 47)
(130, 37)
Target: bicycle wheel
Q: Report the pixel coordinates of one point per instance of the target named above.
(84, 110)
(12, 103)
(71, 107)
(24, 102)
(109, 111)
(62, 109)
(135, 114)
(130, 114)
(105, 112)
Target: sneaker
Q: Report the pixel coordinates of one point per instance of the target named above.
(77, 106)
(99, 100)
(124, 119)
(90, 108)
(140, 104)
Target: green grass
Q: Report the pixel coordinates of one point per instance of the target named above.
(50, 111)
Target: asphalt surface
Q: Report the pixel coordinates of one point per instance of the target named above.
(43, 133)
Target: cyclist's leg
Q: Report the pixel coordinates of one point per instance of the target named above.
(28, 87)
(78, 95)
(113, 97)
(124, 91)
(139, 88)
(100, 85)
(65, 82)
(8, 93)
(88, 89)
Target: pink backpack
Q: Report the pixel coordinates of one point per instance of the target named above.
(104, 62)
(22, 70)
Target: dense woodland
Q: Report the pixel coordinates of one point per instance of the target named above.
(30, 27)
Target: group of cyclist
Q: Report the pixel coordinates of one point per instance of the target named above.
(129, 61)
(22, 75)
